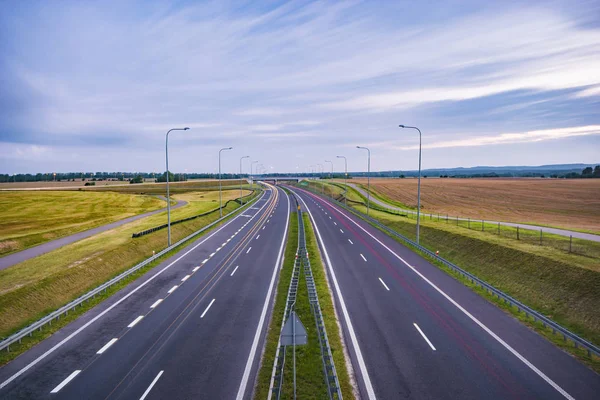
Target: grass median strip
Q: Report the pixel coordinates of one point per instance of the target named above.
(328, 310)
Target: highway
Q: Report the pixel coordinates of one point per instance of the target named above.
(192, 327)
(415, 332)
(555, 231)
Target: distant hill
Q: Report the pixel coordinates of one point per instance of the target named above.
(489, 171)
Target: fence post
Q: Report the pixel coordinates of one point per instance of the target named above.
(517, 232)
(541, 235)
(570, 242)
(457, 221)
(469, 223)
(438, 216)
(482, 228)
(446, 218)
(498, 228)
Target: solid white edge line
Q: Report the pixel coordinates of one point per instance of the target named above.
(235, 269)
(363, 257)
(212, 254)
(246, 376)
(195, 269)
(135, 321)
(107, 345)
(361, 362)
(468, 314)
(122, 299)
(205, 261)
(384, 285)
(424, 337)
(207, 308)
(67, 380)
(157, 302)
(151, 385)
(172, 289)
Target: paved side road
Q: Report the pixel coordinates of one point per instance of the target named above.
(556, 231)
(15, 258)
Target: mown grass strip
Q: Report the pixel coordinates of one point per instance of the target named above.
(328, 310)
(266, 368)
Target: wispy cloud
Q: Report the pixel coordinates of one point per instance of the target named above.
(511, 138)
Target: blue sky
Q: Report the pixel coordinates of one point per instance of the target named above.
(93, 86)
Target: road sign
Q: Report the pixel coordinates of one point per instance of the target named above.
(293, 327)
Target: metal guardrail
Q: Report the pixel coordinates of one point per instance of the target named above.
(279, 362)
(331, 378)
(546, 322)
(55, 315)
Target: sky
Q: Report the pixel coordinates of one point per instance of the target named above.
(94, 86)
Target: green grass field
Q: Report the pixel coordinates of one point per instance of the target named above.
(37, 286)
(28, 218)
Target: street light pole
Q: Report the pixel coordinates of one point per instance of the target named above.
(419, 184)
(368, 178)
(321, 179)
(331, 174)
(241, 197)
(345, 179)
(167, 173)
(251, 174)
(220, 201)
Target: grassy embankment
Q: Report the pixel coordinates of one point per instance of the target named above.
(563, 286)
(309, 368)
(33, 288)
(29, 218)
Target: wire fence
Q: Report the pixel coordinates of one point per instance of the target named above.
(538, 237)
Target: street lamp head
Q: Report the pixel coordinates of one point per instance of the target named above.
(186, 128)
(401, 126)
(358, 147)
(229, 148)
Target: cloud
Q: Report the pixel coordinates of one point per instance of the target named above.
(510, 138)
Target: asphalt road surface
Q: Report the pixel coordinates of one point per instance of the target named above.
(414, 332)
(556, 231)
(192, 327)
(15, 258)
